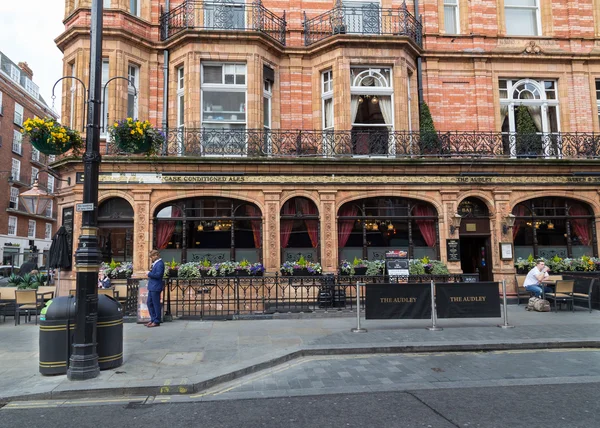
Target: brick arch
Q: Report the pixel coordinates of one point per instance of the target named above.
(213, 194)
(483, 196)
(116, 194)
(299, 193)
(593, 203)
(375, 194)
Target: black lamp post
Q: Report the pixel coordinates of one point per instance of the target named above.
(84, 357)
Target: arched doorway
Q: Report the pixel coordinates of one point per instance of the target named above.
(299, 230)
(216, 229)
(368, 228)
(115, 230)
(549, 226)
(475, 241)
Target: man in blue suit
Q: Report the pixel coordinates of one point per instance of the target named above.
(155, 287)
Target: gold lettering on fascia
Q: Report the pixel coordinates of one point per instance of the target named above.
(202, 179)
(468, 299)
(398, 299)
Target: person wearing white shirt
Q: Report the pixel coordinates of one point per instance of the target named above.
(533, 281)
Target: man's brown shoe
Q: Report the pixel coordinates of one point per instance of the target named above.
(153, 325)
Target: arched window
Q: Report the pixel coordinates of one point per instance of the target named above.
(368, 228)
(299, 231)
(216, 229)
(545, 227)
(115, 226)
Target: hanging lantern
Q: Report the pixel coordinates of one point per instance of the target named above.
(35, 200)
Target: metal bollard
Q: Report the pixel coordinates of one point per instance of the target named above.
(358, 329)
(433, 313)
(505, 325)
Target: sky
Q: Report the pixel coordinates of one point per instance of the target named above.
(27, 34)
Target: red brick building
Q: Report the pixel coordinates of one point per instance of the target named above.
(293, 128)
(20, 164)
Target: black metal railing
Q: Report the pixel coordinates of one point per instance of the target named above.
(226, 297)
(367, 19)
(387, 144)
(220, 15)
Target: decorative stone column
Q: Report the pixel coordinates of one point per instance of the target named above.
(272, 250)
(449, 208)
(329, 245)
(502, 269)
(142, 239)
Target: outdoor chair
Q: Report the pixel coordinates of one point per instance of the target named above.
(7, 300)
(121, 294)
(585, 297)
(563, 293)
(26, 301)
(521, 292)
(107, 292)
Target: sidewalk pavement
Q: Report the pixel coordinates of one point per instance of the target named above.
(185, 357)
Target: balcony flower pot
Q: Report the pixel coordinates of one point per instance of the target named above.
(50, 137)
(136, 137)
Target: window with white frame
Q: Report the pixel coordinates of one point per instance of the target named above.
(134, 7)
(105, 97)
(48, 212)
(14, 198)
(18, 114)
(15, 73)
(451, 17)
(180, 97)
(267, 98)
(50, 184)
(224, 14)
(34, 174)
(31, 87)
(15, 171)
(31, 229)
(133, 72)
(48, 231)
(12, 226)
(598, 98)
(17, 146)
(224, 108)
(522, 17)
(327, 99)
(35, 154)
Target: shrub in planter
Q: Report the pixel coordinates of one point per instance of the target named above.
(301, 267)
(375, 267)
(135, 136)
(188, 271)
(357, 267)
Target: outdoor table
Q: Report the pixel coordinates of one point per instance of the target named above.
(549, 283)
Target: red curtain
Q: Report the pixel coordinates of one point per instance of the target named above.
(312, 226)
(345, 226)
(289, 208)
(255, 224)
(427, 227)
(520, 211)
(580, 225)
(165, 229)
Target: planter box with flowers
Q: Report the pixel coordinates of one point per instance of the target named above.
(116, 270)
(425, 266)
(50, 137)
(559, 265)
(194, 270)
(135, 136)
(357, 267)
(171, 269)
(301, 267)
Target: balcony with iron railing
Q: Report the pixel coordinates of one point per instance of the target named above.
(364, 19)
(221, 15)
(260, 143)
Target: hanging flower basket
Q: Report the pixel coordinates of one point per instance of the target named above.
(136, 137)
(50, 137)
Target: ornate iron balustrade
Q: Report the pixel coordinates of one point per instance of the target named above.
(222, 15)
(368, 19)
(371, 143)
(225, 297)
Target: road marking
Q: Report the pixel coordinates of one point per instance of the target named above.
(70, 403)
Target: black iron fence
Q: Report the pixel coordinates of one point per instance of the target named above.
(365, 19)
(386, 144)
(222, 16)
(226, 297)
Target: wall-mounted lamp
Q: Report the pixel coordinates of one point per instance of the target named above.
(509, 222)
(456, 219)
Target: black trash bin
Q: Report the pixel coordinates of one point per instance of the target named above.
(109, 333)
(57, 324)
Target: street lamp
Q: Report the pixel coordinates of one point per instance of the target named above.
(83, 363)
(35, 200)
(455, 223)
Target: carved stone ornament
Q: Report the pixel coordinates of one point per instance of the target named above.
(532, 49)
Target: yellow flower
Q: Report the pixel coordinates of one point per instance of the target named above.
(132, 132)
(116, 124)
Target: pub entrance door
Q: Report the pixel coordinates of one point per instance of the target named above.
(475, 256)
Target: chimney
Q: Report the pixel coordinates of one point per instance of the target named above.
(26, 70)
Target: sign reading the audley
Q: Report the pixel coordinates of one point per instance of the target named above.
(325, 179)
(398, 301)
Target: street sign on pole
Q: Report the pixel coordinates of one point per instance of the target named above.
(84, 207)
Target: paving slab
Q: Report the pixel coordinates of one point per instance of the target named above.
(183, 357)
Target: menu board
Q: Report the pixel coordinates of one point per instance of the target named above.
(453, 250)
(67, 222)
